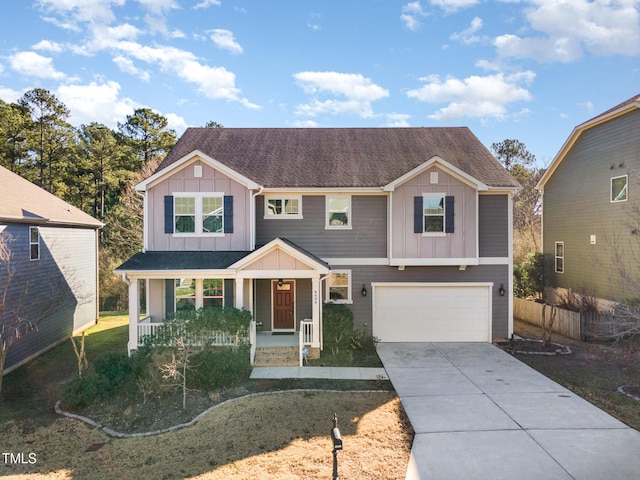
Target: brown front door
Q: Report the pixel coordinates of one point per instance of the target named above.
(283, 297)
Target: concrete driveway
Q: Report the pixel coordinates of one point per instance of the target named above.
(479, 413)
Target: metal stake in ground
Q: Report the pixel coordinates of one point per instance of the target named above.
(337, 445)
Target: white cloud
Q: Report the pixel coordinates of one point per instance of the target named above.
(571, 27)
(96, 103)
(126, 65)
(358, 92)
(453, 5)
(411, 13)
(468, 36)
(32, 64)
(156, 18)
(10, 95)
(475, 96)
(207, 4)
(397, 120)
(176, 122)
(224, 40)
(73, 12)
(48, 46)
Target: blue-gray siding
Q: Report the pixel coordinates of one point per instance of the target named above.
(58, 291)
(493, 231)
(367, 238)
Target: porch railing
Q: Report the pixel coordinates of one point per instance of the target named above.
(305, 337)
(216, 339)
(253, 337)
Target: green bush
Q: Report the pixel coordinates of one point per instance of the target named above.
(529, 278)
(221, 367)
(86, 390)
(337, 327)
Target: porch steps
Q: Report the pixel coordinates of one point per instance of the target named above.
(277, 357)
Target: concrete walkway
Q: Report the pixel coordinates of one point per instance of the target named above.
(479, 413)
(335, 373)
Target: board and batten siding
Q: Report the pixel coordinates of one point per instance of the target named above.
(62, 286)
(577, 205)
(211, 180)
(493, 229)
(366, 239)
(459, 244)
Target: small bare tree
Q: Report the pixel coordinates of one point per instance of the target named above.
(177, 368)
(547, 325)
(81, 355)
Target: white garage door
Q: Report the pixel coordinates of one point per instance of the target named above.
(432, 312)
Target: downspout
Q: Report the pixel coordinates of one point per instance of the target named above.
(322, 279)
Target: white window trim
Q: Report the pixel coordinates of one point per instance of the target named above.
(626, 187)
(556, 257)
(349, 224)
(31, 243)
(349, 299)
(283, 215)
(444, 214)
(198, 214)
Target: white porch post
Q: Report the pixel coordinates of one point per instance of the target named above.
(239, 296)
(134, 314)
(315, 312)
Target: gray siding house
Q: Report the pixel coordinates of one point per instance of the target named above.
(409, 227)
(591, 206)
(50, 276)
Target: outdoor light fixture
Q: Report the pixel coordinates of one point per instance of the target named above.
(364, 290)
(502, 290)
(337, 445)
(280, 282)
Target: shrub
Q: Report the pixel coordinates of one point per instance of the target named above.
(528, 277)
(84, 391)
(221, 367)
(337, 327)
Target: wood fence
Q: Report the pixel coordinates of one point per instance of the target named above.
(581, 326)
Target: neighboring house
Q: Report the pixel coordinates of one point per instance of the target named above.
(54, 257)
(591, 197)
(409, 227)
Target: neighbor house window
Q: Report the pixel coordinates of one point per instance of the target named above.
(198, 213)
(619, 188)
(283, 207)
(338, 211)
(559, 257)
(34, 243)
(185, 294)
(339, 286)
(212, 292)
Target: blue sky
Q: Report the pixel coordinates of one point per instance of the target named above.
(525, 69)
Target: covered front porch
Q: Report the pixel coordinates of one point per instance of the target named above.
(280, 284)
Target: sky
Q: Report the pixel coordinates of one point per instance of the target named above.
(530, 70)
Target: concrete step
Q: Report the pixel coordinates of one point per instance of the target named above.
(277, 357)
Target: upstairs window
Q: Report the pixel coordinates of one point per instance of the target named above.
(433, 214)
(34, 243)
(619, 188)
(559, 257)
(198, 214)
(283, 207)
(338, 211)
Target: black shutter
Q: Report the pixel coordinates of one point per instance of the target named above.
(418, 215)
(449, 214)
(168, 214)
(170, 296)
(228, 214)
(229, 292)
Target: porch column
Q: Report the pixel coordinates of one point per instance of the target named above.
(315, 312)
(239, 296)
(134, 314)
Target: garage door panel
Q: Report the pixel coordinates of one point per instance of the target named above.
(424, 313)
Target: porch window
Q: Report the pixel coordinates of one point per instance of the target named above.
(213, 292)
(338, 211)
(339, 286)
(185, 294)
(559, 257)
(283, 207)
(34, 243)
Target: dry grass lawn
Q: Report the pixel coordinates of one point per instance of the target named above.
(280, 436)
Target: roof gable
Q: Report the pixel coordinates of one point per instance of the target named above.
(22, 201)
(620, 109)
(338, 157)
(447, 167)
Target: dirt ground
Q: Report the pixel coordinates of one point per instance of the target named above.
(285, 435)
(592, 370)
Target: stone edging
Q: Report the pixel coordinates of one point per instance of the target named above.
(562, 350)
(621, 389)
(116, 434)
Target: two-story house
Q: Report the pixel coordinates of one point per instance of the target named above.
(410, 227)
(591, 209)
(48, 269)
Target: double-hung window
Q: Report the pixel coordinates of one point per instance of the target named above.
(338, 211)
(433, 214)
(339, 286)
(34, 243)
(283, 207)
(559, 257)
(200, 214)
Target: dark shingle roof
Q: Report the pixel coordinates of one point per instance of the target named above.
(339, 157)
(191, 260)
